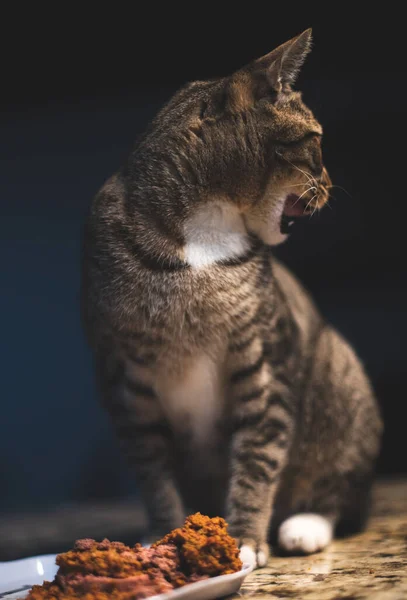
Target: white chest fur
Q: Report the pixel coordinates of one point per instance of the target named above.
(193, 400)
(215, 232)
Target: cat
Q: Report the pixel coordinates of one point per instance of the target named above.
(228, 391)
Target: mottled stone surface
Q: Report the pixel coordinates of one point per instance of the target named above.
(369, 565)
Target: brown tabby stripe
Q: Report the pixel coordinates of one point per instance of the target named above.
(250, 420)
(238, 376)
(239, 260)
(277, 399)
(141, 360)
(265, 272)
(246, 484)
(251, 253)
(240, 329)
(247, 455)
(153, 263)
(253, 395)
(259, 473)
(263, 439)
(152, 338)
(246, 507)
(174, 264)
(239, 524)
(138, 388)
(242, 345)
(273, 425)
(265, 432)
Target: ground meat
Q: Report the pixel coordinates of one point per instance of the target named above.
(205, 546)
(104, 588)
(164, 559)
(110, 570)
(112, 559)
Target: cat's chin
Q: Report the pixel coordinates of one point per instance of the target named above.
(274, 228)
(275, 238)
(265, 224)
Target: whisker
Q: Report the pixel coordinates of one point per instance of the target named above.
(306, 192)
(308, 175)
(294, 185)
(308, 203)
(332, 197)
(341, 188)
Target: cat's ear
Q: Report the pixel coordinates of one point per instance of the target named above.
(269, 76)
(283, 64)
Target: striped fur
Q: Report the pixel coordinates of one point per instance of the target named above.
(228, 392)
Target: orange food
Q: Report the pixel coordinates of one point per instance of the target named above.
(110, 559)
(205, 546)
(106, 570)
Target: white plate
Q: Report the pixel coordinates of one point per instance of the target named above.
(16, 578)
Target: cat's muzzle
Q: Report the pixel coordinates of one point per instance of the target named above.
(298, 206)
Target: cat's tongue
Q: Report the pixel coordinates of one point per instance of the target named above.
(294, 206)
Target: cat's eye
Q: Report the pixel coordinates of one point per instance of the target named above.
(308, 136)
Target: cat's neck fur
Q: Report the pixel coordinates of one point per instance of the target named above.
(205, 233)
(214, 233)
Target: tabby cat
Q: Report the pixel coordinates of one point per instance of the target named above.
(228, 391)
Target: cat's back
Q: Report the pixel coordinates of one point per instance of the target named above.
(300, 303)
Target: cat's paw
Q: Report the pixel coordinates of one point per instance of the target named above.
(305, 533)
(255, 554)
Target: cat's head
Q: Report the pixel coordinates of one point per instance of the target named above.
(249, 140)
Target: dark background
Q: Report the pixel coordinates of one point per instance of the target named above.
(76, 90)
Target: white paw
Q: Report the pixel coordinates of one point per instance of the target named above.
(305, 533)
(255, 555)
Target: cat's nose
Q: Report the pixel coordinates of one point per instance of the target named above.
(325, 179)
(321, 198)
(324, 186)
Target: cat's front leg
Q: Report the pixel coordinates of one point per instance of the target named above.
(150, 454)
(259, 448)
(146, 440)
(151, 458)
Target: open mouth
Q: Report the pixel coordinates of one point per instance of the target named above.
(295, 208)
